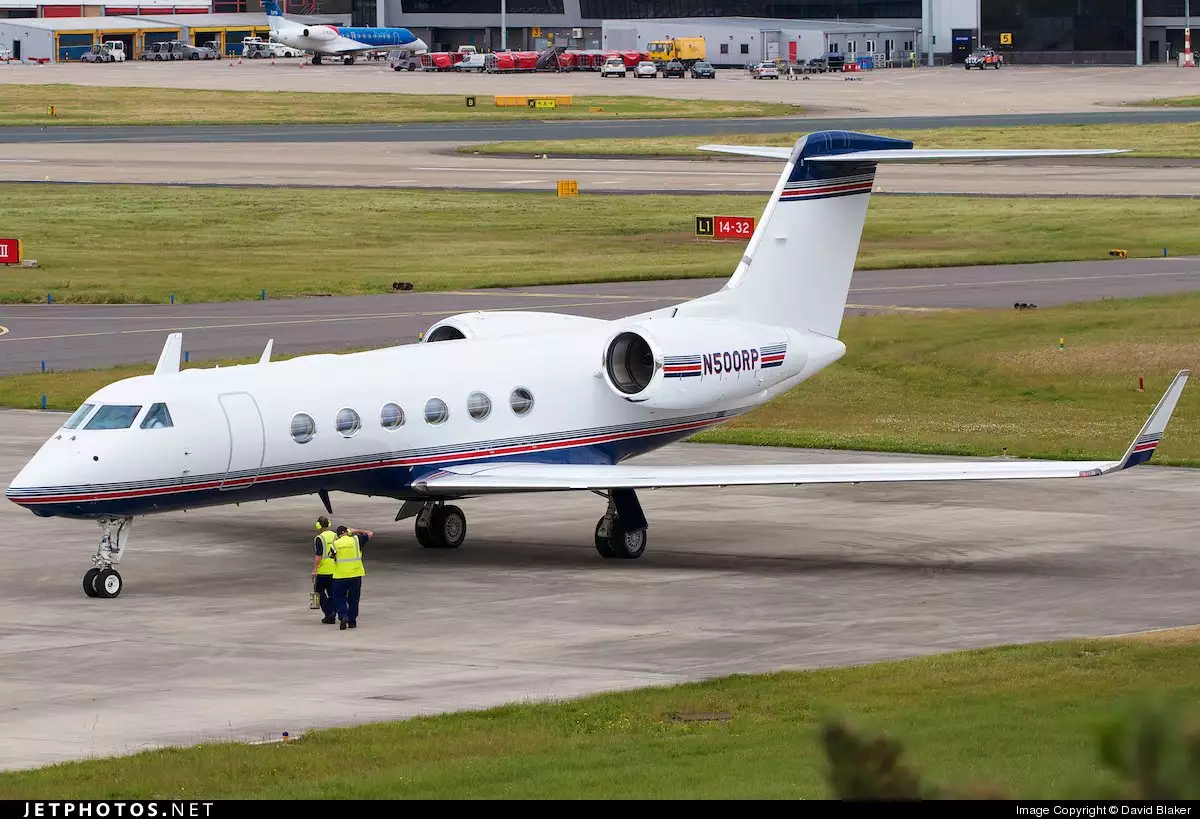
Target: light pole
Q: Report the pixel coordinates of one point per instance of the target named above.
(1138, 61)
(1187, 33)
(503, 25)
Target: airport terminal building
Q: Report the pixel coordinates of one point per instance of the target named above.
(940, 31)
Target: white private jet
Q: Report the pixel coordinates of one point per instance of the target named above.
(505, 402)
(338, 41)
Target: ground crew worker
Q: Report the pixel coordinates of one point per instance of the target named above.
(323, 569)
(348, 573)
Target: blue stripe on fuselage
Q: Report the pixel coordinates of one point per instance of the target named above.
(378, 36)
(390, 482)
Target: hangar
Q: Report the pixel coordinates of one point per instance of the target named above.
(737, 41)
(59, 39)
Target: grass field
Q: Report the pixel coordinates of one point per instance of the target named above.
(1173, 140)
(1173, 102)
(215, 244)
(955, 383)
(1023, 719)
(102, 105)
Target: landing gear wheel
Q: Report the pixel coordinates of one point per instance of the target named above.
(627, 545)
(108, 583)
(448, 525)
(602, 540)
(89, 582)
(423, 535)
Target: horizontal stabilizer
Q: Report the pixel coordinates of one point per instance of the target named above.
(508, 476)
(914, 154)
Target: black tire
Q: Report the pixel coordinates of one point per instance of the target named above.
(412, 67)
(193, 56)
(89, 582)
(109, 584)
(602, 543)
(626, 545)
(257, 55)
(424, 537)
(448, 525)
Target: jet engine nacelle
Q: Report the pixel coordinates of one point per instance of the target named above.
(319, 33)
(693, 362)
(499, 324)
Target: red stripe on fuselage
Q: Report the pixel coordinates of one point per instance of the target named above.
(310, 473)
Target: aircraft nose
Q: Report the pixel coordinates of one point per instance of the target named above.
(419, 45)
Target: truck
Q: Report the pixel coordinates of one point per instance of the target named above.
(110, 51)
(687, 50)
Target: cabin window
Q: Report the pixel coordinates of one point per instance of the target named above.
(77, 417)
(347, 422)
(436, 411)
(114, 416)
(303, 428)
(479, 406)
(157, 417)
(391, 416)
(521, 401)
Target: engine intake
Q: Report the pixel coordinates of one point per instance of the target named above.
(630, 363)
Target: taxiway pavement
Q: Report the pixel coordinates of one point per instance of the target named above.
(69, 337)
(942, 91)
(433, 165)
(212, 637)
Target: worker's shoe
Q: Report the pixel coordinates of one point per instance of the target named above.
(328, 620)
(354, 625)
(342, 626)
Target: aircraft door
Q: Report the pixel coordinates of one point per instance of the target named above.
(247, 440)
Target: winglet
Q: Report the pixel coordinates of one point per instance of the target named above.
(168, 359)
(265, 358)
(1143, 446)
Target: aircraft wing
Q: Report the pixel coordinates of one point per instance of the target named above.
(478, 478)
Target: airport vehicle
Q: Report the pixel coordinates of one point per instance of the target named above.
(472, 62)
(340, 42)
(703, 71)
(765, 71)
(109, 51)
(5, 53)
(496, 402)
(164, 50)
(257, 49)
(674, 69)
(688, 50)
(285, 51)
(613, 66)
(645, 69)
(403, 61)
(983, 58)
(207, 51)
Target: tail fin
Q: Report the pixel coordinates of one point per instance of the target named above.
(275, 18)
(797, 267)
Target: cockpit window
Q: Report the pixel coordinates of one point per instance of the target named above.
(157, 417)
(78, 416)
(114, 416)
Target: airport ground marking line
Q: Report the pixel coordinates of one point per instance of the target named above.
(313, 320)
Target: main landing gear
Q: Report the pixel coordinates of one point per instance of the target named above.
(620, 534)
(438, 526)
(103, 580)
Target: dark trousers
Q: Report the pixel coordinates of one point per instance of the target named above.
(323, 586)
(345, 594)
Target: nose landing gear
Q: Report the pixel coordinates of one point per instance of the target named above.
(103, 580)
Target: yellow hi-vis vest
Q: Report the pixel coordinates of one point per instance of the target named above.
(326, 565)
(347, 558)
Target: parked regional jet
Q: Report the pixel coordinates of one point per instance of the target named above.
(334, 41)
(504, 402)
